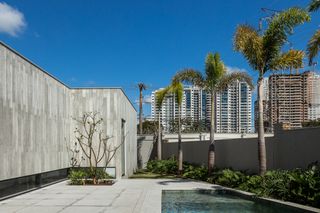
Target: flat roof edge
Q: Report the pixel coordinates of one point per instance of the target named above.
(56, 79)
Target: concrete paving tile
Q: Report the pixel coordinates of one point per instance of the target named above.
(55, 202)
(92, 202)
(41, 209)
(9, 209)
(83, 209)
(20, 202)
(118, 209)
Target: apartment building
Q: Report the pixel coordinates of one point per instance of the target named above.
(232, 107)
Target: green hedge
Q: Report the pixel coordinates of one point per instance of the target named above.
(299, 185)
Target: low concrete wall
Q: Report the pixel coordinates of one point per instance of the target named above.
(286, 150)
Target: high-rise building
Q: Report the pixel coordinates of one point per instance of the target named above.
(266, 108)
(232, 107)
(314, 109)
(289, 96)
(194, 107)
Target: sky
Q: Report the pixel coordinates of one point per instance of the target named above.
(100, 43)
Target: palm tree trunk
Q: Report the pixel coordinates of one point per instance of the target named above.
(159, 136)
(211, 154)
(180, 153)
(140, 113)
(261, 139)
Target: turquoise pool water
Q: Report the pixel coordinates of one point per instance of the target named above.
(213, 201)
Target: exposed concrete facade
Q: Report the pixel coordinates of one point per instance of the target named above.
(36, 113)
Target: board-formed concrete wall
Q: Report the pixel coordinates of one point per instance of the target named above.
(36, 113)
(113, 107)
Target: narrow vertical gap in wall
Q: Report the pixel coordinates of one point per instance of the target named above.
(123, 147)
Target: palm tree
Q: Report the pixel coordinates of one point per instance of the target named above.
(262, 49)
(141, 87)
(160, 95)
(176, 89)
(314, 43)
(214, 80)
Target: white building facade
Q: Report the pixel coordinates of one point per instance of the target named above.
(232, 107)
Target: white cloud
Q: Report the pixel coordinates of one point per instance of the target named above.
(146, 100)
(235, 69)
(12, 20)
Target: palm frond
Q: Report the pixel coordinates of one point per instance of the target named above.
(313, 46)
(248, 42)
(228, 79)
(291, 59)
(176, 88)
(142, 86)
(280, 27)
(215, 69)
(160, 96)
(314, 5)
(189, 76)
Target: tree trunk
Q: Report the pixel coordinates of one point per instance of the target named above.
(140, 113)
(211, 153)
(159, 136)
(180, 153)
(261, 140)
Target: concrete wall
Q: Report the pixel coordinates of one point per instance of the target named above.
(36, 113)
(286, 150)
(146, 150)
(113, 106)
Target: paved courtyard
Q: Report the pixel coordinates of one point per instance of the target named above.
(125, 196)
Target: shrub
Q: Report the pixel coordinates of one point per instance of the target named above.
(195, 172)
(169, 166)
(253, 184)
(228, 177)
(77, 177)
(81, 176)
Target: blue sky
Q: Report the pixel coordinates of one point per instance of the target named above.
(120, 43)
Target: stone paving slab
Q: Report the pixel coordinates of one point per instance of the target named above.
(125, 196)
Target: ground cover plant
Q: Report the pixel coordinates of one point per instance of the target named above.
(298, 185)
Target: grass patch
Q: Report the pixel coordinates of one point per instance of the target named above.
(150, 175)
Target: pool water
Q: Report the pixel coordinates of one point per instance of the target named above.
(213, 201)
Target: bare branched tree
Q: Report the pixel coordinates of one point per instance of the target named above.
(94, 143)
(74, 154)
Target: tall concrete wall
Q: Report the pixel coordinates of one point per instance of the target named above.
(36, 113)
(113, 106)
(286, 150)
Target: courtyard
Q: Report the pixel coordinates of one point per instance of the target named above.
(126, 195)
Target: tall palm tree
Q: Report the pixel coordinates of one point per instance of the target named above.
(141, 87)
(160, 95)
(176, 89)
(313, 47)
(262, 49)
(215, 79)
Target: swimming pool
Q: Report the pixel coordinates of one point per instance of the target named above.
(214, 201)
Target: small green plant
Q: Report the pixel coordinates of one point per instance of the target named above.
(82, 176)
(77, 177)
(228, 177)
(169, 166)
(195, 172)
